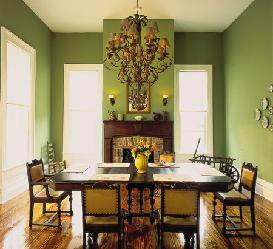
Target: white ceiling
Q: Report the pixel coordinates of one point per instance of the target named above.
(88, 15)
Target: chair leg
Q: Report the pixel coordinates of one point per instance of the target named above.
(44, 208)
(192, 240)
(198, 239)
(84, 239)
(119, 239)
(70, 203)
(31, 207)
(161, 239)
(224, 219)
(241, 213)
(214, 206)
(187, 238)
(252, 208)
(59, 214)
(158, 234)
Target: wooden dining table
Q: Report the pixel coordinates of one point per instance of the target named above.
(208, 179)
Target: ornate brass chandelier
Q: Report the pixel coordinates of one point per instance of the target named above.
(137, 61)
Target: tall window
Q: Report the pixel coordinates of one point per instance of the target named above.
(194, 109)
(82, 140)
(17, 100)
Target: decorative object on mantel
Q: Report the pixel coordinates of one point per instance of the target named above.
(112, 99)
(166, 116)
(139, 118)
(138, 100)
(165, 99)
(141, 152)
(120, 116)
(157, 116)
(112, 115)
(137, 64)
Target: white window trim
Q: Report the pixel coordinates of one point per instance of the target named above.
(8, 36)
(67, 69)
(180, 156)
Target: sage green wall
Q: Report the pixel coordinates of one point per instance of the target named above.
(164, 85)
(248, 47)
(20, 20)
(207, 48)
(70, 48)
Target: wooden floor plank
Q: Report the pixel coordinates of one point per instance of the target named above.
(15, 234)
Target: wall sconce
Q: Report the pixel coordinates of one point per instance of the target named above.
(112, 99)
(165, 99)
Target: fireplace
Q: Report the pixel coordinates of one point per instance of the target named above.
(121, 147)
(119, 135)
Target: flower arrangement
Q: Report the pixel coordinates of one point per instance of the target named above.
(142, 149)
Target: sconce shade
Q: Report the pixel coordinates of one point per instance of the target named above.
(112, 99)
(165, 99)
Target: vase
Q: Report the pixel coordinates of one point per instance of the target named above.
(141, 163)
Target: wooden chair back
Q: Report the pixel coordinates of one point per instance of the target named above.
(101, 199)
(36, 178)
(248, 178)
(180, 200)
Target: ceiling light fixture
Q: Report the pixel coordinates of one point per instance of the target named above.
(138, 61)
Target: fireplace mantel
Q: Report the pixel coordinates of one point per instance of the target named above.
(161, 129)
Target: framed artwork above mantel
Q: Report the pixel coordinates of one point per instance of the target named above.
(138, 103)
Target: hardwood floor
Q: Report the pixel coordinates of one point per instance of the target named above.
(15, 234)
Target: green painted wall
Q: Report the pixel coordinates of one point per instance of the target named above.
(207, 48)
(73, 48)
(19, 19)
(248, 47)
(163, 86)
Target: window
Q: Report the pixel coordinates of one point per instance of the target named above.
(82, 141)
(194, 109)
(17, 100)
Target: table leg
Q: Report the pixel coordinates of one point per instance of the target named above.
(129, 202)
(141, 200)
(152, 202)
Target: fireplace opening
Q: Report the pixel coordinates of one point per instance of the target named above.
(127, 156)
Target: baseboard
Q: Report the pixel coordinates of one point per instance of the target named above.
(264, 189)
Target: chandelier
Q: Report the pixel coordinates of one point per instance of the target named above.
(138, 61)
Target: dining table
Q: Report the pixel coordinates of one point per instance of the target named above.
(206, 178)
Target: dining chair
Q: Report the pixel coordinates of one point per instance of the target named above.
(54, 166)
(236, 197)
(167, 157)
(102, 212)
(180, 212)
(40, 192)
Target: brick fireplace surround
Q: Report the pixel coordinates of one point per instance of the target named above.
(119, 134)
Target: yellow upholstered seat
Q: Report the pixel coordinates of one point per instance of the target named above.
(109, 220)
(187, 221)
(232, 195)
(52, 193)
